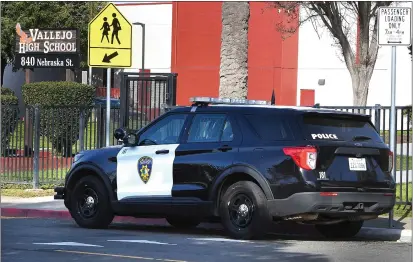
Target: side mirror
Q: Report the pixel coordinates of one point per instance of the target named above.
(120, 134)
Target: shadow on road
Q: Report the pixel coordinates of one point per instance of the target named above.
(283, 231)
(383, 222)
(258, 250)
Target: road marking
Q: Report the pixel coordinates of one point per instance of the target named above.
(120, 256)
(220, 240)
(141, 241)
(76, 244)
(15, 217)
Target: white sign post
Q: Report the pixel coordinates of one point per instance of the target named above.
(394, 29)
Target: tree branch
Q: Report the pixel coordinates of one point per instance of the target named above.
(335, 26)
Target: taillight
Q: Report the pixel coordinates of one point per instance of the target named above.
(328, 194)
(304, 157)
(390, 161)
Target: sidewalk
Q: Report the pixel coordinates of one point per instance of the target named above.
(47, 207)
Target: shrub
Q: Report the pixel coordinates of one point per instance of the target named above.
(60, 106)
(408, 113)
(9, 116)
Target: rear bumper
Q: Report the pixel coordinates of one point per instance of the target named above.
(342, 204)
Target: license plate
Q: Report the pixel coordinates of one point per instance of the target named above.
(357, 164)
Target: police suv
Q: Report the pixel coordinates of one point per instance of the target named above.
(244, 163)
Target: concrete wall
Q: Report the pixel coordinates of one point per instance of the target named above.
(157, 18)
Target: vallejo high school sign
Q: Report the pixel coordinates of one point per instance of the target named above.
(47, 48)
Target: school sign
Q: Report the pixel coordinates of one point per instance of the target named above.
(47, 48)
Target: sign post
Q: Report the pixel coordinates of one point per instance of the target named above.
(394, 29)
(110, 46)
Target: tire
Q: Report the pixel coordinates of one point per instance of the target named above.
(249, 206)
(183, 222)
(341, 230)
(100, 213)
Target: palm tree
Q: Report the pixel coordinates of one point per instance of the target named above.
(234, 50)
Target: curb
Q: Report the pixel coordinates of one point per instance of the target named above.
(63, 214)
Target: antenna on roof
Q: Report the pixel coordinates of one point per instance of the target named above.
(273, 98)
(316, 105)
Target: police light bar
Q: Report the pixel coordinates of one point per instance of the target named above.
(228, 101)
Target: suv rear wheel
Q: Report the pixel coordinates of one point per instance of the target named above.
(243, 211)
(341, 230)
(90, 204)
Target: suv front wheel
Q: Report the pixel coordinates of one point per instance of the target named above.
(340, 230)
(90, 204)
(243, 211)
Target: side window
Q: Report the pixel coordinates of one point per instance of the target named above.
(270, 127)
(227, 134)
(210, 128)
(166, 131)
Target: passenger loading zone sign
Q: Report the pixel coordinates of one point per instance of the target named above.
(110, 39)
(394, 26)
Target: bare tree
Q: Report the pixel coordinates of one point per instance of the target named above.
(234, 50)
(341, 20)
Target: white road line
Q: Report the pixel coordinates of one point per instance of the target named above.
(75, 244)
(141, 241)
(220, 240)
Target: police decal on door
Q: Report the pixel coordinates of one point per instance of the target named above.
(145, 168)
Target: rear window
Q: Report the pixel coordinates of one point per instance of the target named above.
(319, 127)
(270, 127)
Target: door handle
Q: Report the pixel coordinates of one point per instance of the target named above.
(224, 148)
(164, 151)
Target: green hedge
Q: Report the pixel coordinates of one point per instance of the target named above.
(9, 116)
(408, 112)
(60, 106)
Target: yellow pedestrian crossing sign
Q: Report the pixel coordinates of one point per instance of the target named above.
(110, 39)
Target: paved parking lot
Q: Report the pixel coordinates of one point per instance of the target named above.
(33, 239)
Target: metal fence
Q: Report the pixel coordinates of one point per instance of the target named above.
(38, 149)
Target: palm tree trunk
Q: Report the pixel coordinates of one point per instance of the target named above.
(234, 50)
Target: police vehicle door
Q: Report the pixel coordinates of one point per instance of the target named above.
(145, 170)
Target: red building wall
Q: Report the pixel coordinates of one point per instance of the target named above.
(196, 43)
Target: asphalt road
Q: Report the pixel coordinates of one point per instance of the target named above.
(50, 240)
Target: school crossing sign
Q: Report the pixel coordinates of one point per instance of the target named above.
(110, 39)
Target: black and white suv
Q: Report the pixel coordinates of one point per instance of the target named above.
(242, 162)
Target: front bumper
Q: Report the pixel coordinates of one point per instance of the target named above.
(339, 205)
(60, 193)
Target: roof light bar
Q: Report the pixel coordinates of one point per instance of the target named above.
(231, 101)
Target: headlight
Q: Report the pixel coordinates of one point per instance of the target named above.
(77, 157)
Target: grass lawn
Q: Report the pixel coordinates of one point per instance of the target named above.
(403, 163)
(400, 138)
(27, 193)
(45, 176)
(402, 210)
(90, 135)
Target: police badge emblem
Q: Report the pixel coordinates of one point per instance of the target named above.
(145, 168)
